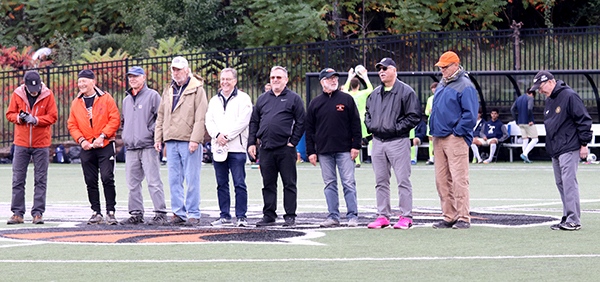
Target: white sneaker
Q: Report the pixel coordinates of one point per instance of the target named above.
(241, 222)
(353, 222)
(330, 222)
(220, 222)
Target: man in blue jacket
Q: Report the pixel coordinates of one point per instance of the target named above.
(522, 112)
(568, 131)
(453, 118)
(333, 133)
(393, 109)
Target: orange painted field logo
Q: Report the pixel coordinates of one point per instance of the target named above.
(147, 234)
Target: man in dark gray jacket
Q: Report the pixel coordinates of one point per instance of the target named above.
(393, 109)
(568, 131)
(139, 110)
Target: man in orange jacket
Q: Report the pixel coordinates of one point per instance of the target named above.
(93, 123)
(33, 110)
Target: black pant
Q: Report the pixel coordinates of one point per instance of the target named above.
(103, 160)
(281, 160)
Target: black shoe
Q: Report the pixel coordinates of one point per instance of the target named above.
(557, 226)
(429, 163)
(569, 226)
(111, 219)
(289, 222)
(443, 224)
(265, 222)
(461, 225)
(133, 220)
(159, 219)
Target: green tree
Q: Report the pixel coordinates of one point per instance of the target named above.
(280, 22)
(200, 23)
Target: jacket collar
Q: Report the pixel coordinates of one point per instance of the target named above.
(99, 92)
(560, 86)
(130, 90)
(459, 73)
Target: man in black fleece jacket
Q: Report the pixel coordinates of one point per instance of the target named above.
(333, 133)
(568, 131)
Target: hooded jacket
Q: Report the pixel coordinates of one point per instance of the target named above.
(185, 121)
(138, 118)
(392, 114)
(454, 108)
(44, 110)
(105, 118)
(567, 121)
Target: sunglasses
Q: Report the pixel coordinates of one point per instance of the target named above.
(443, 68)
(276, 77)
(383, 68)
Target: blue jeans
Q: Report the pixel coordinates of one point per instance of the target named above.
(345, 166)
(184, 165)
(236, 163)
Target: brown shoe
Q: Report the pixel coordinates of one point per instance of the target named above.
(37, 219)
(15, 219)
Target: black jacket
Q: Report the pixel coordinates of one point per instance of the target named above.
(277, 120)
(567, 121)
(332, 124)
(392, 114)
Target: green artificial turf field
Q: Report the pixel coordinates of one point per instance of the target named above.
(486, 252)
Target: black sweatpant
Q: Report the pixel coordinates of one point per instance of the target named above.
(102, 160)
(281, 161)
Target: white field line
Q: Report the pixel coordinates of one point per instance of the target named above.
(312, 259)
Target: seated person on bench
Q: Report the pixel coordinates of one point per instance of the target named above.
(492, 133)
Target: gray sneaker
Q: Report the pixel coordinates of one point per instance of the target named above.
(95, 219)
(133, 220)
(353, 222)
(221, 222)
(111, 219)
(158, 219)
(241, 222)
(330, 222)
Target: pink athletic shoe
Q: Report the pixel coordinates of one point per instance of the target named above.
(403, 223)
(381, 222)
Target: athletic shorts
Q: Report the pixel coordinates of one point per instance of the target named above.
(486, 142)
(528, 131)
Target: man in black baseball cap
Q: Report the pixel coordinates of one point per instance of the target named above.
(568, 131)
(393, 109)
(327, 73)
(386, 62)
(33, 82)
(540, 78)
(32, 109)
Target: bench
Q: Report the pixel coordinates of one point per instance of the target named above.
(515, 132)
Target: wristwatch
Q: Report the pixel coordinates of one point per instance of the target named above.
(103, 135)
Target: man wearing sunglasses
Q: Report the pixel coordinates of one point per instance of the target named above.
(393, 109)
(453, 117)
(278, 123)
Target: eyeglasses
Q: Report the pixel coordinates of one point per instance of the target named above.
(227, 79)
(276, 77)
(383, 68)
(332, 78)
(443, 68)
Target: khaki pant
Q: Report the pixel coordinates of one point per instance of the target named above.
(452, 176)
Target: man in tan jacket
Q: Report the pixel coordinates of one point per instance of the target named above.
(180, 124)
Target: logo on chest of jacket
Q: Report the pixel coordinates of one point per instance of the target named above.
(557, 110)
(340, 108)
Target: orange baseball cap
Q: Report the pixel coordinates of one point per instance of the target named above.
(447, 58)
